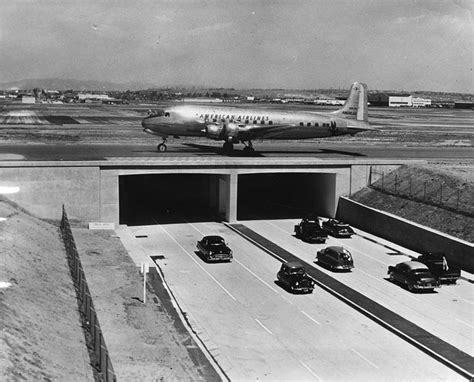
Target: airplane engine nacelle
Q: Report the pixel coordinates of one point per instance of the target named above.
(214, 131)
(231, 131)
(227, 131)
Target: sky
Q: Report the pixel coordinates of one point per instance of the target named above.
(293, 44)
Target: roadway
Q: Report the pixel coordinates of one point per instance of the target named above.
(256, 330)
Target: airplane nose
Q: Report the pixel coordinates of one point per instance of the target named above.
(145, 122)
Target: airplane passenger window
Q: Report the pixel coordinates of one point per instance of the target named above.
(167, 114)
(301, 124)
(308, 124)
(316, 124)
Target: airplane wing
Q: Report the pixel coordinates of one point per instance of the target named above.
(248, 132)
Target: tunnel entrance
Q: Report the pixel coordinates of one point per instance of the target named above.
(285, 195)
(167, 198)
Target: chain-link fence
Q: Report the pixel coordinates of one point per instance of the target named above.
(425, 188)
(94, 338)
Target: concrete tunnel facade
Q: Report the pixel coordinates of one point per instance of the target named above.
(128, 191)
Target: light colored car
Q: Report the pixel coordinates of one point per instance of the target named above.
(335, 258)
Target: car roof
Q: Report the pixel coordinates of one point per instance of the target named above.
(335, 248)
(213, 237)
(293, 264)
(415, 265)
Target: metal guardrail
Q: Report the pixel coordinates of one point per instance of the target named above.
(100, 359)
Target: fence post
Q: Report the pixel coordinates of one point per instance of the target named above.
(409, 190)
(424, 191)
(457, 200)
(441, 194)
(396, 182)
(383, 176)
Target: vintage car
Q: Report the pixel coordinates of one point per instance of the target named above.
(337, 228)
(335, 258)
(309, 230)
(214, 248)
(413, 274)
(294, 278)
(439, 267)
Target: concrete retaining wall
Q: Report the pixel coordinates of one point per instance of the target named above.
(43, 190)
(410, 235)
(90, 189)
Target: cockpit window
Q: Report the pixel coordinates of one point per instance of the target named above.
(167, 114)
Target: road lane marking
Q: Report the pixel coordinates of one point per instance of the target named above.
(311, 318)
(360, 270)
(250, 271)
(465, 323)
(362, 253)
(197, 229)
(199, 265)
(311, 371)
(263, 326)
(256, 276)
(368, 274)
(365, 359)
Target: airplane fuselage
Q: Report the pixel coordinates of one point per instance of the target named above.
(191, 120)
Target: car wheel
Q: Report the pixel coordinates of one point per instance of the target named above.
(392, 279)
(410, 287)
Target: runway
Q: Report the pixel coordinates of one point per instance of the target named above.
(95, 152)
(80, 132)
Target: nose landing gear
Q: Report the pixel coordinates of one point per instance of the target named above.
(162, 146)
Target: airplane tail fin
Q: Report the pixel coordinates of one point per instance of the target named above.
(355, 106)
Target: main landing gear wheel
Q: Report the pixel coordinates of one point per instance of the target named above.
(228, 147)
(161, 148)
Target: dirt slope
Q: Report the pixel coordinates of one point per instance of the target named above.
(435, 195)
(41, 334)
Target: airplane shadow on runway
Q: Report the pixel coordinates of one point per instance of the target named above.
(220, 151)
(240, 153)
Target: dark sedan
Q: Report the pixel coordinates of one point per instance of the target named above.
(294, 278)
(335, 258)
(214, 248)
(413, 274)
(337, 228)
